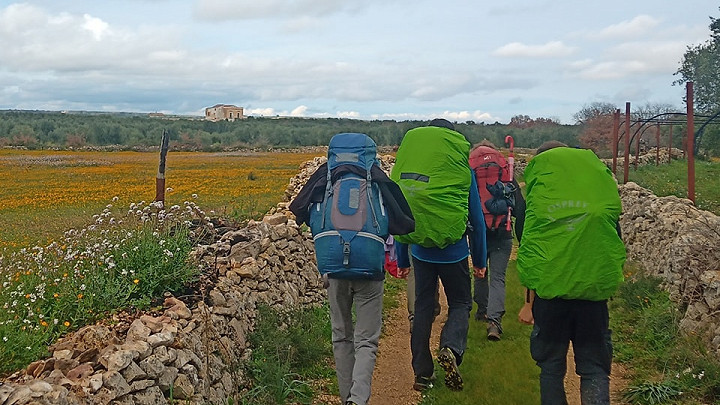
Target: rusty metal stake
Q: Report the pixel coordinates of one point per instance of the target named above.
(690, 142)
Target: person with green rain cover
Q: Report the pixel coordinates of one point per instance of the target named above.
(570, 259)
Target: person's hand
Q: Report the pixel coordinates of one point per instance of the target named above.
(403, 272)
(480, 272)
(526, 316)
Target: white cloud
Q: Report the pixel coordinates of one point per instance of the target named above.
(631, 59)
(658, 56)
(96, 26)
(262, 112)
(348, 114)
(611, 70)
(273, 9)
(299, 111)
(636, 27)
(455, 116)
(548, 50)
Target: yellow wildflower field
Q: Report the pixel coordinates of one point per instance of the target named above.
(43, 193)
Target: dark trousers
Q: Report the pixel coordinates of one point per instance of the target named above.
(455, 279)
(584, 323)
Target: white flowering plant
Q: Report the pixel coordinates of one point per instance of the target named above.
(123, 259)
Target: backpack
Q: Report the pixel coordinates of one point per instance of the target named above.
(570, 244)
(494, 181)
(350, 225)
(431, 168)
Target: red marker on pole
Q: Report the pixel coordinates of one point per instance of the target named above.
(511, 162)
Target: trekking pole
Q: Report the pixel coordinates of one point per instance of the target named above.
(511, 162)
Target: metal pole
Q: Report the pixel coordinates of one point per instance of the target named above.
(670, 145)
(637, 151)
(160, 178)
(657, 144)
(626, 164)
(690, 142)
(616, 130)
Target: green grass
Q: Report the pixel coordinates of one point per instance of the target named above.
(666, 365)
(495, 372)
(289, 351)
(672, 179)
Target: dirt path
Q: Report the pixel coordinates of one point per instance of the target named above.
(393, 377)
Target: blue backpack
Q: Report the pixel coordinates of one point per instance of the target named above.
(350, 225)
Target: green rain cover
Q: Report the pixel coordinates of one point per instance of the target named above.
(431, 168)
(570, 247)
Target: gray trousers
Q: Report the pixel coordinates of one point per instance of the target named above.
(355, 346)
(490, 295)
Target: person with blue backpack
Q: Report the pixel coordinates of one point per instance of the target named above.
(431, 168)
(351, 207)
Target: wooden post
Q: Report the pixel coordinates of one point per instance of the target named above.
(160, 179)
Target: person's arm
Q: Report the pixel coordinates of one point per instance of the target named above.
(526, 316)
(403, 258)
(478, 246)
(519, 211)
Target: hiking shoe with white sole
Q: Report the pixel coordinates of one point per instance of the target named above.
(423, 383)
(453, 379)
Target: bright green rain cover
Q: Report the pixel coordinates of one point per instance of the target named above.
(432, 170)
(570, 248)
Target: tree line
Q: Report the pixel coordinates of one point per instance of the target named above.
(56, 130)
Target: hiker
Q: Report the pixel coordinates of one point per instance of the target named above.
(491, 167)
(431, 167)
(570, 260)
(352, 207)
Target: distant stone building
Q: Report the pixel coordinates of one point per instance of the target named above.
(220, 112)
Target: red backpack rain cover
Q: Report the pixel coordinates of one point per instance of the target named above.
(489, 166)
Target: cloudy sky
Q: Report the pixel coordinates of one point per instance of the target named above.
(366, 59)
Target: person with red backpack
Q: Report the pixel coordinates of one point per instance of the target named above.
(503, 200)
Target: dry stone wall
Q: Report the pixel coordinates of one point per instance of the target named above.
(193, 349)
(672, 239)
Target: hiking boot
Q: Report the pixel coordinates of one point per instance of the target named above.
(423, 383)
(480, 316)
(351, 403)
(494, 331)
(453, 379)
(411, 318)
